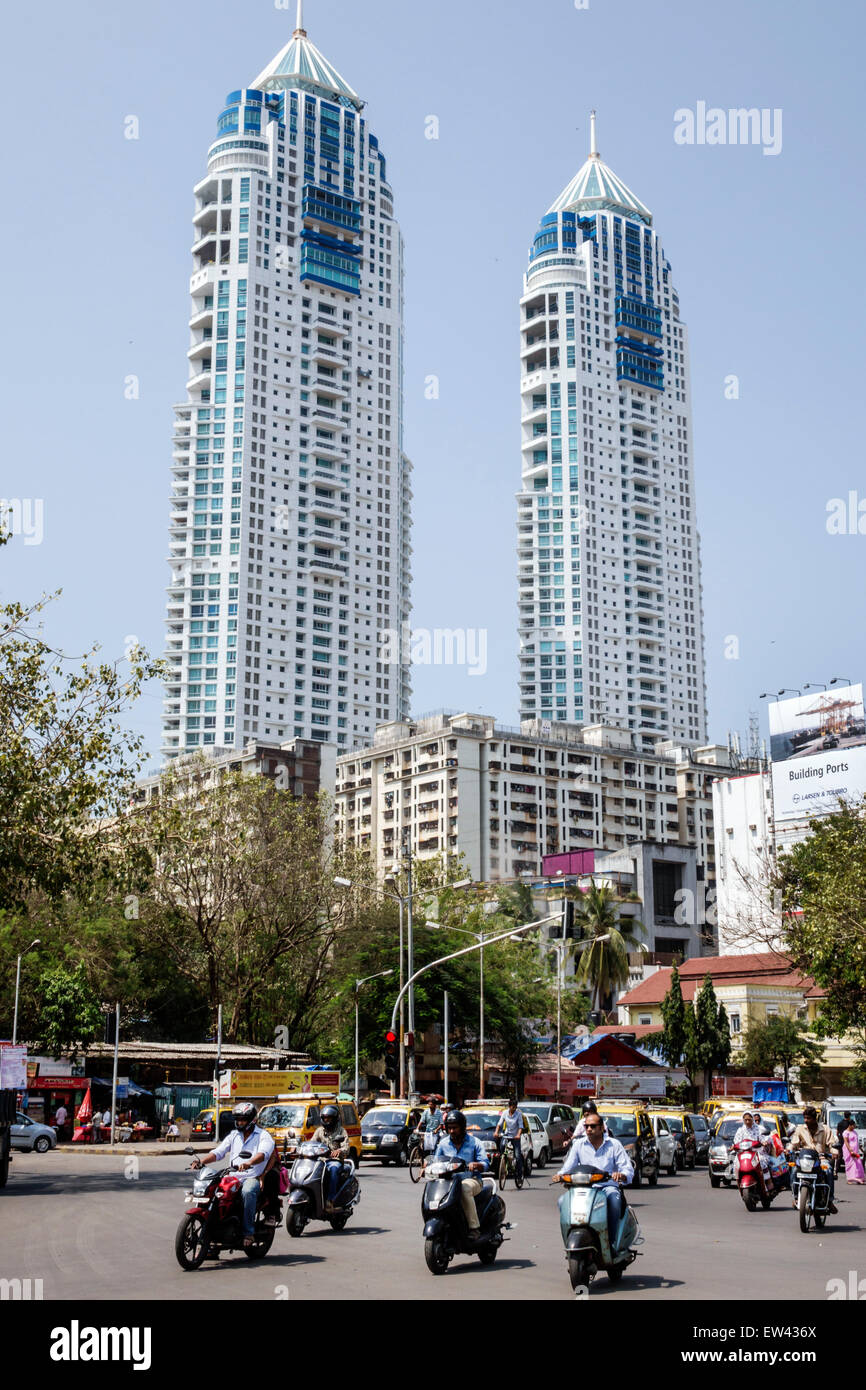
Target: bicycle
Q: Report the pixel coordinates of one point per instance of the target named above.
(421, 1146)
(507, 1165)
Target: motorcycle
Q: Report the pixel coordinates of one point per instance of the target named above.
(810, 1185)
(446, 1232)
(307, 1201)
(751, 1182)
(213, 1221)
(589, 1245)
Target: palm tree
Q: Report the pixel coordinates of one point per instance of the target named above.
(607, 940)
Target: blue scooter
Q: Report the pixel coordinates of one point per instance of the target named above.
(589, 1245)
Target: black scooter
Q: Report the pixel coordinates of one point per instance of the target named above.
(307, 1190)
(446, 1233)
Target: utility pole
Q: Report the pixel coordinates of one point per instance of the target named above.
(410, 944)
(445, 1075)
(114, 1071)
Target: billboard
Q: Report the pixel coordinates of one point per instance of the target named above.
(621, 1084)
(818, 750)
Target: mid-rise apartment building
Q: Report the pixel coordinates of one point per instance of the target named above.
(506, 798)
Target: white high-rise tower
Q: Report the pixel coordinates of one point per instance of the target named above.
(289, 538)
(609, 566)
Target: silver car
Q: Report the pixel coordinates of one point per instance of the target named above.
(558, 1120)
(28, 1135)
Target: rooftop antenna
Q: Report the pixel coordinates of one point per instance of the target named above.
(300, 31)
(593, 147)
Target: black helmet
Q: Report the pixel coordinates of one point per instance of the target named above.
(589, 1107)
(244, 1114)
(456, 1117)
(330, 1117)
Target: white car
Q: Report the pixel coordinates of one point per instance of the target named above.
(539, 1140)
(666, 1144)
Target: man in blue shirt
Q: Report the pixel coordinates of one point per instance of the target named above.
(603, 1151)
(458, 1144)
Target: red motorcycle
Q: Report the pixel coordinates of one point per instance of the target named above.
(213, 1221)
(751, 1182)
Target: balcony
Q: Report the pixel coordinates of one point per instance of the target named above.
(202, 349)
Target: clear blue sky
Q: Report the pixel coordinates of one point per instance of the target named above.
(766, 254)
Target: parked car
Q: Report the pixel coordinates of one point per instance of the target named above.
(701, 1130)
(830, 741)
(680, 1126)
(27, 1135)
(630, 1124)
(558, 1120)
(385, 1132)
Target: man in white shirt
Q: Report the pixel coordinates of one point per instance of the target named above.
(246, 1135)
(60, 1120)
(511, 1123)
(603, 1151)
(750, 1131)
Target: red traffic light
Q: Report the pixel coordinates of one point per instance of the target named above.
(390, 1037)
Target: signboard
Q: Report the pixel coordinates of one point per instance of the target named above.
(60, 1083)
(646, 1081)
(13, 1068)
(240, 1085)
(818, 750)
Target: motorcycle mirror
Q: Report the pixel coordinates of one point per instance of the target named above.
(189, 1150)
(244, 1153)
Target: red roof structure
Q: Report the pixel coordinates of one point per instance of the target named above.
(765, 968)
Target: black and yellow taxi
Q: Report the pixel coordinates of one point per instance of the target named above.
(385, 1131)
(629, 1122)
(293, 1119)
(202, 1128)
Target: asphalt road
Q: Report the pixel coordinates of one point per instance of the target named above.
(103, 1227)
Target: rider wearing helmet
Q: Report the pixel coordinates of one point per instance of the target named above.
(458, 1144)
(245, 1137)
(589, 1107)
(332, 1133)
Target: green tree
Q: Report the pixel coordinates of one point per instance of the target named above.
(822, 882)
(70, 1017)
(780, 1042)
(241, 900)
(672, 1040)
(708, 1036)
(606, 941)
(67, 761)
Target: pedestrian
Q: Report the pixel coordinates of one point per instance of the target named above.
(853, 1158)
(60, 1118)
(172, 1132)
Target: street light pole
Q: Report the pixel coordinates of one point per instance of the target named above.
(481, 1037)
(17, 988)
(358, 984)
(410, 943)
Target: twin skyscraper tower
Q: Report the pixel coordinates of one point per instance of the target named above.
(290, 512)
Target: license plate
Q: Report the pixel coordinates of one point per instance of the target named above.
(368, 1146)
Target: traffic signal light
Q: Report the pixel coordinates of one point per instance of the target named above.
(391, 1066)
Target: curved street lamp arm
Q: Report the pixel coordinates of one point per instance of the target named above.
(476, 946)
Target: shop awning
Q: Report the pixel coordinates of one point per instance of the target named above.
(131, 1088)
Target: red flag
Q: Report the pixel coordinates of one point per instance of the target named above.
(85, 1109)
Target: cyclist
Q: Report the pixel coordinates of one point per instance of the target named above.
(511, 1122)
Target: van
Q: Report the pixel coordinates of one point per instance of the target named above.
(833, 1109)
(293, 1119)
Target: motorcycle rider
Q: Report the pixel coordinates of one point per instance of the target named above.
(511, 1124)
(458, 1144)
(245, 1135)
(811, 1134)
(748, 1131)
(601, 1151)
(332, 1133)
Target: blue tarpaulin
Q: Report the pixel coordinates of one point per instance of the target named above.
(769, 1091)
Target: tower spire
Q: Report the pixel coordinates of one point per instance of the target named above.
(299, 27)
(593, 147)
